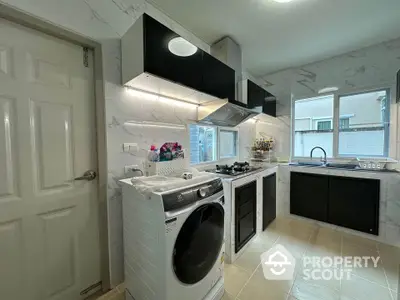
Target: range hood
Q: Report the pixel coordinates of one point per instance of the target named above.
(224, 113)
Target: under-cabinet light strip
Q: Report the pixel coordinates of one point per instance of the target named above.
(155, 124)
(161, 97)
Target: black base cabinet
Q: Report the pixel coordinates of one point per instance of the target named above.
(245, 214)
(344, 201)
(354, 203)
(309, 195)
(269, 200)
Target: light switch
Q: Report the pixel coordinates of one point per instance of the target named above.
(130, 147)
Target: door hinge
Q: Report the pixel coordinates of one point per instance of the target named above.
(86, 57)
(92, 287)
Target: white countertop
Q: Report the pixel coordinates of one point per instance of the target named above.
(341, 172)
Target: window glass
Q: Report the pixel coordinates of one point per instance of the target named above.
(227, 143)
(203, 141)
(364, 124)
(313, 126)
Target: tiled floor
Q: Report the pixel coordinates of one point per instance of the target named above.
(244, 279)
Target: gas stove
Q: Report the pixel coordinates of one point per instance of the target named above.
(238, 168)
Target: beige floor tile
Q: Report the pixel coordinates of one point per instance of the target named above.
(250, 259)
(395, 295)
(235, 278)
(376, 275)
(358, 288)
(392, 270)
(350, 239)
(296, 246)
(349, 249)
(109, 295)
(315, 289)
(258, 288)
(281, 285)
(329, 277)
(227, 296)
(293, 228)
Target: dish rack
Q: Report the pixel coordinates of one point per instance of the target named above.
(165, 168)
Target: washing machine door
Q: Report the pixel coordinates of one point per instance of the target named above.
(199, 243)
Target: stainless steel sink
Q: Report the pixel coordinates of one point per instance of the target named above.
(308, 164)
(341, 166)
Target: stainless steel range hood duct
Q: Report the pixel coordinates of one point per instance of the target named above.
(224, 113)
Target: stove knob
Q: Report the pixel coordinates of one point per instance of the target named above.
(202, 192)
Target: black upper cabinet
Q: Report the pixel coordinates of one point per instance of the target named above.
(218, 78)
(354, 203)
(159, 61)
(309, 195)
(200, 71)
(259, 98)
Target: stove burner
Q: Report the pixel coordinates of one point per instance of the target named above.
(236, 169)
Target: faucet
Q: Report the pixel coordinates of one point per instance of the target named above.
(324, 159)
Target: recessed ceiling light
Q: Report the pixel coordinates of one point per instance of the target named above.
(181, 47)
(328, 89)
(283, 1)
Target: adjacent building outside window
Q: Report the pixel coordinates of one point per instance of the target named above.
(204, 141)
(362, 128)
(313, 125)
(367, 133)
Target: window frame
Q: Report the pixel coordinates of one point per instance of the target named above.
(390, 131)
(217, 150)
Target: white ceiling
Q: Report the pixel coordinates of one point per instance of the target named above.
(276, 36)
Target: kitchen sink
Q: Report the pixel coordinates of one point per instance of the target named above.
(341, 166)
(308, 164)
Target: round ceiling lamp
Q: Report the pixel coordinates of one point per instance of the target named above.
(181, 47)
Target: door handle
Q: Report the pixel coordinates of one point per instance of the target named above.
(88, 175)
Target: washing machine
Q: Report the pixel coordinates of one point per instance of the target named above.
(174, 241)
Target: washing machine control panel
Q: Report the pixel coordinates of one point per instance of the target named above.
(186, 196)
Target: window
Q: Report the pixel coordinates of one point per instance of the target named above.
(227, 143)
(313, 125)
(362, 127)
(344, 123)
(324, 125)
(367, 131)
(204, 141)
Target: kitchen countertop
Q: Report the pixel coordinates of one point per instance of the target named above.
(342, 172)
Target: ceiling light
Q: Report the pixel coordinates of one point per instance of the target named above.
(328, 89)
(283, 1)
(181, 47)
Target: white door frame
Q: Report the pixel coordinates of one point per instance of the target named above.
(16, 16)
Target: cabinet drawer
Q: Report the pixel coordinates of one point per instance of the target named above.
(245, 208)
(246, 227)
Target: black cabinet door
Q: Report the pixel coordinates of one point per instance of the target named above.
(255, 95)
(269, 107)
(218, 78)
(354, 203)
(245, 214)
(159, 61)
(309, 195)
(269, 200)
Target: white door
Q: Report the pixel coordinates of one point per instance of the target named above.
(49, 239)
